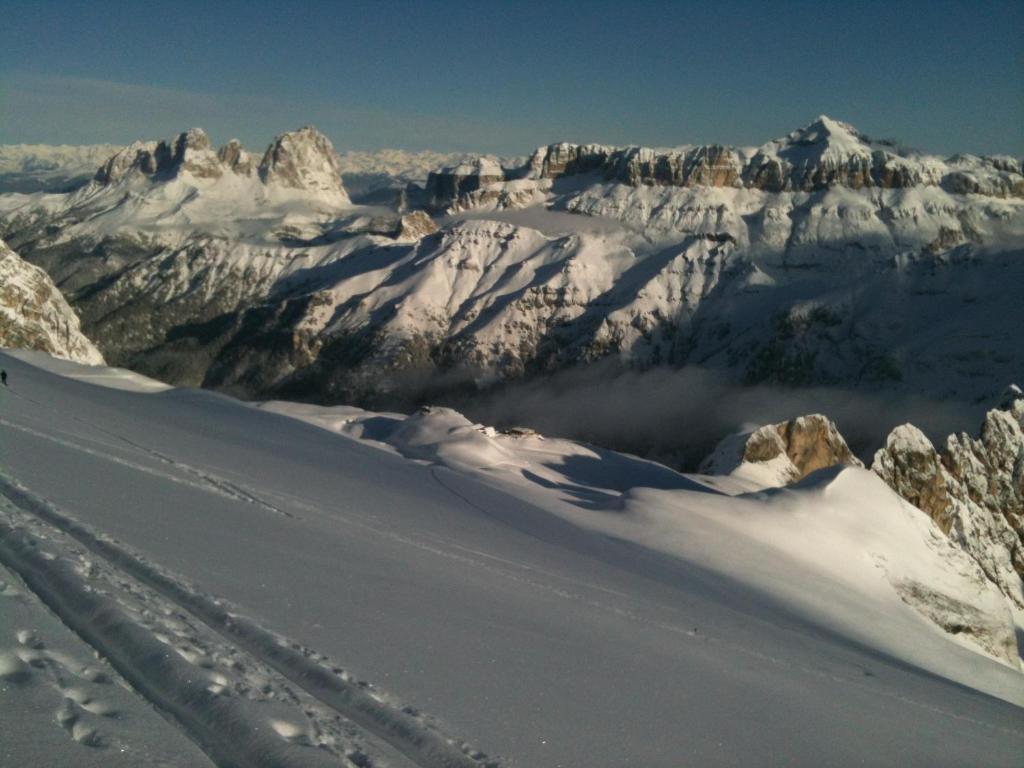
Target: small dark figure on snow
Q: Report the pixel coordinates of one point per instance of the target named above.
(3, 377)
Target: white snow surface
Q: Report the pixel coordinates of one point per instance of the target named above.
(546, 602)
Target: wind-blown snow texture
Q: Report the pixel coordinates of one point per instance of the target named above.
(823, 257)
(548, 603)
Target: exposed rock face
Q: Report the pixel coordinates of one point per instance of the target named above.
(138, 155)
(449, 184)
(566, 159)
(301, 160)
(34, 314)
(234, 156)
(813, 442)
(821, 155)
(912, 468)
(793, 448)
(994, 633)
(304, 159)
(713, 166)
(189, 152)
(415, 225)
(974, 490)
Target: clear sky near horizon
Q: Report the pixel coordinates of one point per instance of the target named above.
(505, 77)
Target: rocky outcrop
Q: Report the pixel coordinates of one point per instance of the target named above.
(234, 156)
(973, 489)
(137, 156)
(451, 183)
(306, 160)
(34, 314)
(912, 468)
(792, 449)
(189, 152)
(415, 225)
(565, 159)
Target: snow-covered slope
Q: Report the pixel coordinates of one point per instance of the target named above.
(34, 314)
(823, 257)
(973, 489)
(548, 603)
(49, 168)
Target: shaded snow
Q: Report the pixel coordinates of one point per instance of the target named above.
(586, 608)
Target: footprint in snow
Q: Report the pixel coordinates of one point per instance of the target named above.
(71, 717)
(13, 670)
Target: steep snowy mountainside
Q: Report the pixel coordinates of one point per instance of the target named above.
(304, 160)
(49, 168)
(611, 610)
(973, 488)
(34, 314)
(820, 258)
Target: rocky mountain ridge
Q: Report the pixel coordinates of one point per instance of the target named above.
(34, 314)
(973, 489)
(302, 160)
(258, 276)
(818, 156)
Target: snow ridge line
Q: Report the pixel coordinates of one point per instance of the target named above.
(412, 737)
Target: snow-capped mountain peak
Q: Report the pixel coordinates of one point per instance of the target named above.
(304, 159)
(190, 152)
(825, 130)
(840, 264)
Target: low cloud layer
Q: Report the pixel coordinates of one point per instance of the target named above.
(678, 416)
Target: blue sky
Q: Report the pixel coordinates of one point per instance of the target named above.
(505, 77)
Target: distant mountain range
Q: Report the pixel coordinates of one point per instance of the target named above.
(48, 168)
(823, 257)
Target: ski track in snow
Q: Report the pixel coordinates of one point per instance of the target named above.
(247, 696)
(197, 478)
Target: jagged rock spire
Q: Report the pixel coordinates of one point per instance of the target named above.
(304, 159)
